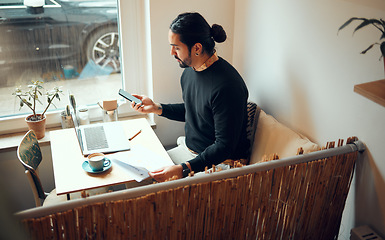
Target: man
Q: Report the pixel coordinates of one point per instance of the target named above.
(215, 100)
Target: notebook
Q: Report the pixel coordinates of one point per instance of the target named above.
(100, 137)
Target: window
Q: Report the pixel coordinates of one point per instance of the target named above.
(74, 44)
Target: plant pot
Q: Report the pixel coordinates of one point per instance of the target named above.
(37, 126)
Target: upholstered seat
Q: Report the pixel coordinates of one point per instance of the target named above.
(271, 137)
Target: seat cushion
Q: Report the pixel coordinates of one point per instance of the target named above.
(53, 198)
(272, 137)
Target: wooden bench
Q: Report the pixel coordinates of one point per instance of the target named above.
(299, 197)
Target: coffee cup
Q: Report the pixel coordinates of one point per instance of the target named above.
(97, 161)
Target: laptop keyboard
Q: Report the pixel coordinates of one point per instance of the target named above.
(95, 138)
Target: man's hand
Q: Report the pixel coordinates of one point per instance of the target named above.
(166, 173)
(147, 106)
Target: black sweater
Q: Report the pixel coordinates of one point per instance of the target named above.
(215, 114)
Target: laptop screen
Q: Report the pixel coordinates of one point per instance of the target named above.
(74, 119)
(100, 137)
(76, 127)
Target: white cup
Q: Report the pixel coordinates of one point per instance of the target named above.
(97, 161)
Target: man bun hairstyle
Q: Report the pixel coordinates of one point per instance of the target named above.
(192, 28)
(218, 33)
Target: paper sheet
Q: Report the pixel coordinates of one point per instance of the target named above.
(138, 162)
(137, 173)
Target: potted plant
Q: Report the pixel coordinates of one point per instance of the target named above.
(29, 98)
(377, 23)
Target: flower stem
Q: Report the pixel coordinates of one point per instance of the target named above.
(49, 103)
(26, 103)
(34, 102)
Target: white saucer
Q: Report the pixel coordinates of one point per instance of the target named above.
(86, 167)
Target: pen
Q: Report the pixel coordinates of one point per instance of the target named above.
(135, 135)
(100, 105)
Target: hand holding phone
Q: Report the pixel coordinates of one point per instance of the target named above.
(129, 97)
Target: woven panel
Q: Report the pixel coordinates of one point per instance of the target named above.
(303, 201)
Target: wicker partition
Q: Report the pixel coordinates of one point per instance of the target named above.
(301, 201)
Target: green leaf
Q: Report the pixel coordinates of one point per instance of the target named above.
(363, 52)
(363, 24)
(68, 110)
(379, 24)
(367, 22)
(26, 102)
(382, 22)
(350, 21)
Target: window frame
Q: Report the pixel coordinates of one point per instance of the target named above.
(135, 66)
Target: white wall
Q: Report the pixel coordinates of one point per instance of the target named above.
(299, 70)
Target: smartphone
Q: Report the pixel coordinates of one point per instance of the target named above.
(129, 97)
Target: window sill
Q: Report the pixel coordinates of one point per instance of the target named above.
(11, 141)
(374, 91)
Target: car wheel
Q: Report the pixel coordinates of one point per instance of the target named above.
(103, 48)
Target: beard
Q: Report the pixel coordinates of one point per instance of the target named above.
(184, 63)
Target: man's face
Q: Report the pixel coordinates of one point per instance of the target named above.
(179, 50)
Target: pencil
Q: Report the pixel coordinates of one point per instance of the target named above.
(135, 135)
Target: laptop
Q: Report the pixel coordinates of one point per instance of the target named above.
(100, 137)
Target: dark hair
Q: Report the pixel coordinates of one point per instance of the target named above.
(193, 28)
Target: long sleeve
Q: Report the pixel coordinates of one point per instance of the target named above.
(174, 111)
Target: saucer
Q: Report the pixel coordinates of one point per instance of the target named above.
(86, 167)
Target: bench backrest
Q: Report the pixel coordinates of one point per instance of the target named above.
(296, 198)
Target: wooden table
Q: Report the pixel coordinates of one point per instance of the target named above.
(67, 158)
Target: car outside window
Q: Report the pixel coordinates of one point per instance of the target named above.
(72, 44)
(12, 3)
